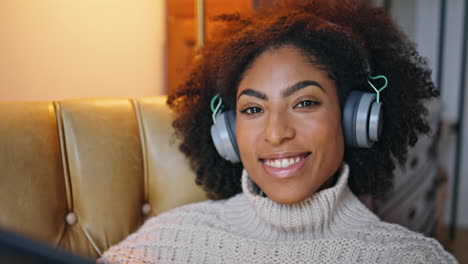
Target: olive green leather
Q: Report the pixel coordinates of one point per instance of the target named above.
(77, 174)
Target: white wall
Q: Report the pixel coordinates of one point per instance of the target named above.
(420, 19)
(56, 49)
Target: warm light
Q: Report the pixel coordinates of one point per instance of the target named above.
(55, 49)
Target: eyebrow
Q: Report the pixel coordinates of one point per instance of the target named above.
(254, 93)
(287, 92)
(299, 86)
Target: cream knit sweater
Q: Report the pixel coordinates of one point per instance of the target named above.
(331, 226)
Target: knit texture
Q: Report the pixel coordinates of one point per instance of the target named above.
(331, 226)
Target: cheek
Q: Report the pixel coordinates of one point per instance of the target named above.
(333, 129)
(332, 122)
(246, 136)
(324, 134)
(334, 140)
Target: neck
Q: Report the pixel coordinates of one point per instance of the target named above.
(327, 212)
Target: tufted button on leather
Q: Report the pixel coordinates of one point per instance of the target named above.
(146, 209)
(71, 218)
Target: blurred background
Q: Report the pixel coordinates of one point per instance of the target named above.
(60, 49)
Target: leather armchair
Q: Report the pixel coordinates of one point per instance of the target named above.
(83, 174)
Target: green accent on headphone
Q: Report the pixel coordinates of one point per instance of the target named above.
(381, 89)
(216, 109)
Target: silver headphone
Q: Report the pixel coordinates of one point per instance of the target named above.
(223, 133)
(362, 122)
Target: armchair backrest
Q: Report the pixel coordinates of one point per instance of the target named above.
(83, 174)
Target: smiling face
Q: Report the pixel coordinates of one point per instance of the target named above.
(288, 125)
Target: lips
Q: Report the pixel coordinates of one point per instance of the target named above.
(284, 165)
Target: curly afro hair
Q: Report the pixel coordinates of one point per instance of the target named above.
(350, 39)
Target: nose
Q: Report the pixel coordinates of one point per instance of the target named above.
(278, 129)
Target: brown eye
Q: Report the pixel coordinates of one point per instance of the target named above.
(306, 103)
(252, 110)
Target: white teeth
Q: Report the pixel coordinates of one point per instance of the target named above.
(282, 163)
(277, 164)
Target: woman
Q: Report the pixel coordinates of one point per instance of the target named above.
(296, 93)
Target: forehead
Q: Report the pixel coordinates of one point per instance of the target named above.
(281, 67)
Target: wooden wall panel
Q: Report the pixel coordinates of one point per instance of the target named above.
(181, 32)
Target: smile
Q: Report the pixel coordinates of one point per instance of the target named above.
(283, 163)
(284, 167)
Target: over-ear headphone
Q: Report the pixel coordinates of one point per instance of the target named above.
(362, 122)
(223, 133)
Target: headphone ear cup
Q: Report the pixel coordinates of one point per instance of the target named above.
(349, 118)
(362, 121)
(375, 121)
(223, 134)
(231, 126)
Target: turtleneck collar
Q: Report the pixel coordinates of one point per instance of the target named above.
(326, 213)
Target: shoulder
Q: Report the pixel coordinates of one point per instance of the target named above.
(174, 227)
(194, 214)
(404, 241)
